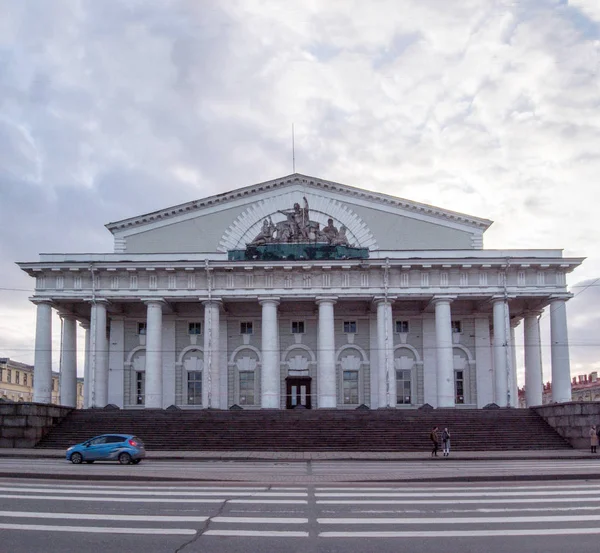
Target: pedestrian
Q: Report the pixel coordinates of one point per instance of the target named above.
(446, 442)
(435, 438)
(593, 438)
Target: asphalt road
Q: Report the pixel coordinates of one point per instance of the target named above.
(312, 471)
(61, 516)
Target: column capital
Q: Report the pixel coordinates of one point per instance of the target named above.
(326, 299)
(67, 315)
(218, 302)
(382, 299)
(533, 313)
(42, 301)
(98, 301)
(560, 297)
(442, 299)
(153, 301)
(273, 300)
(84, 324)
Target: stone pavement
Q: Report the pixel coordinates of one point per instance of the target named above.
(324, 455)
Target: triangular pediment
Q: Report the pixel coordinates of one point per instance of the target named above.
(232, 219)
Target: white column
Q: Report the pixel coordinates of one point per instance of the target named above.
(514, 385)
(68, 361)
(327, 397)
(484, 366)
(270, 373)
(42, 365)
(153, 395)
(211, 374)
(559, 352)
(385, 346)
(86, 365)
(500, 352)
(116, 362)
(99, 360)
(533, 360)
(445, 359)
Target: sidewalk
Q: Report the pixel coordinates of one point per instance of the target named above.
(323, 455)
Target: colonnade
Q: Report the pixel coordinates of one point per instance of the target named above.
(96, 354)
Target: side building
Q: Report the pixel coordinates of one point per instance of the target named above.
(16, 383)
(301, 292)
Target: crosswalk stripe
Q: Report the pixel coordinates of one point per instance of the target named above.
(260, 520)
(83, 516)
(464, 533)
(459, 494)
(416, 502)
(160, 492)
(461, 520)
(99, 529)
(256, 533)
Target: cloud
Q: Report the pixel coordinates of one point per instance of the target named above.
(116, 108)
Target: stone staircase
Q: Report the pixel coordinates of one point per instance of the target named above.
(310, 430)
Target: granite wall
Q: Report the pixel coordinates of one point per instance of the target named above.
(24, 424)
(572, 420)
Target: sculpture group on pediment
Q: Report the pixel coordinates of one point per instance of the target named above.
(298, 228)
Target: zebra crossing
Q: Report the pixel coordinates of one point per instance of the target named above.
(303, 512)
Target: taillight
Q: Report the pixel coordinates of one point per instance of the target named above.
(133, 443)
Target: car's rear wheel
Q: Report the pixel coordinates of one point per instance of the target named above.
(76, 458)
(124, 458)
(136, 461)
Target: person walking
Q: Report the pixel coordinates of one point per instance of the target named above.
(446, 442)
(435, 438)
(593, 439)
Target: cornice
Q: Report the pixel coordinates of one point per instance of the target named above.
(304, 180)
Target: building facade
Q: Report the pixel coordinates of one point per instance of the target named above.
(584, 387)
(16, 383)
(301, 292)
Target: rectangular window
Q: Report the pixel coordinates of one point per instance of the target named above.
(139, 388)
(8, 375)
(133, 282)
(246, 327)
(350, 327)
(456, 327)
(246, 388)
(401, 327)
(459, 387)
(403, 387)
(194, 388)
(17, 377)
(297, 327)
(350, 383)
(25, 379)
(142, 329)
(195, 328)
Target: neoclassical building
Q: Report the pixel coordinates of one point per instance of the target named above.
(301, 292)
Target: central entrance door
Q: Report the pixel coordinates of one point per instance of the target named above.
(297, 392)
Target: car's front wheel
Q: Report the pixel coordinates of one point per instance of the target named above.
(124, 458)
(76, 458)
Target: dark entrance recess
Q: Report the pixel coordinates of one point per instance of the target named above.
(297, 392)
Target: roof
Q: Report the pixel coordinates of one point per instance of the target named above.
(305, 180)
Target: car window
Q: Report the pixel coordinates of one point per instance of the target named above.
(115, 439)
(98, 441)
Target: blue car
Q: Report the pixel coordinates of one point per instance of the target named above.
(124, 448)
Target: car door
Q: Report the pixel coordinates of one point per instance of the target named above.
(94, 449)
(114, 445)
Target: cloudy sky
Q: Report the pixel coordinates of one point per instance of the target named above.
(114, 108)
